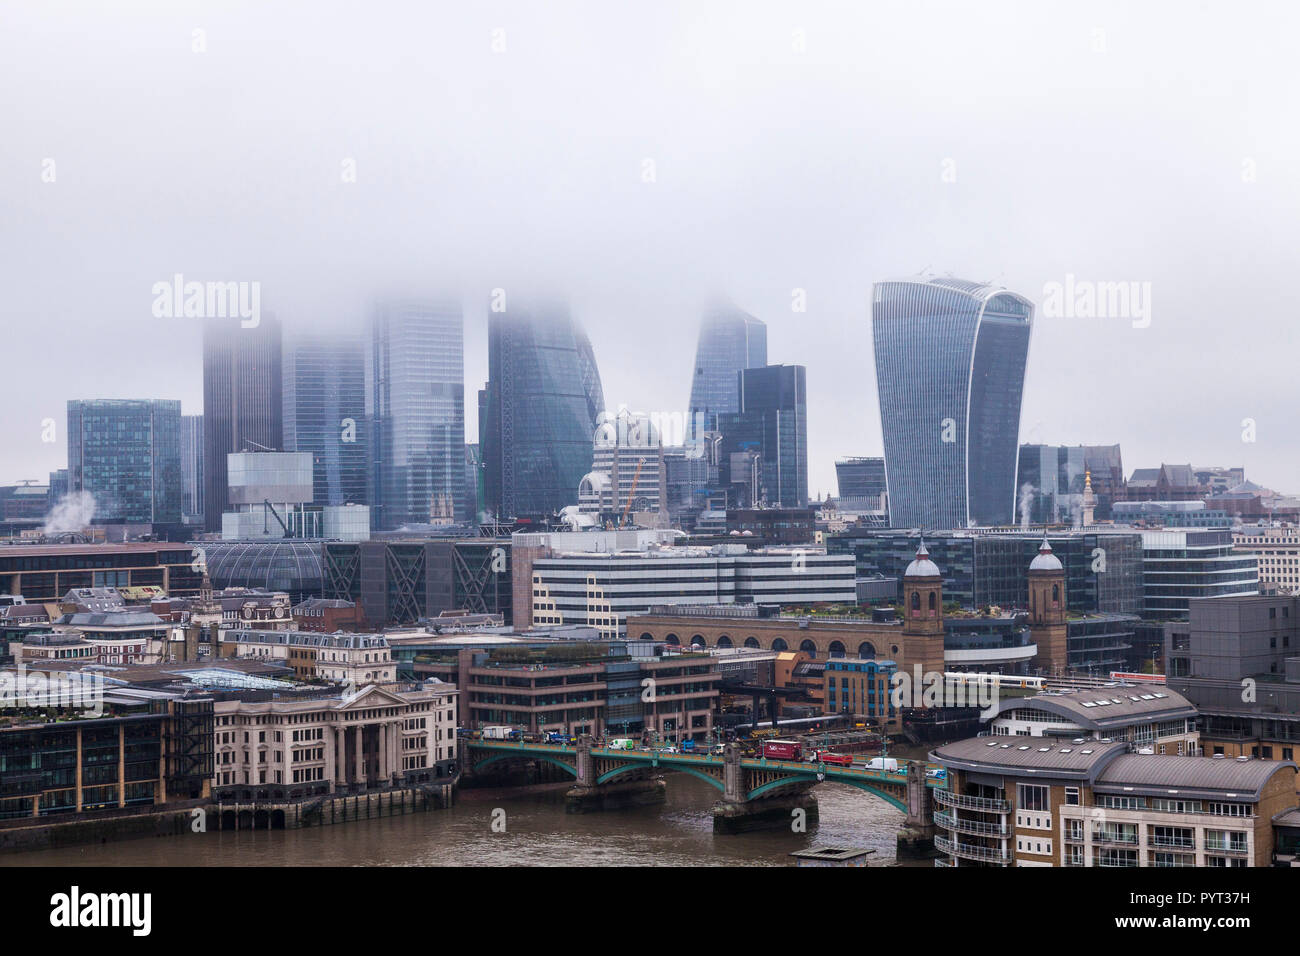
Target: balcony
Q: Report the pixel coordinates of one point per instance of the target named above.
(970, 851)
(950, 822)
(1172, 843)
(1114, 838)
(960, 800)
(1212, 846)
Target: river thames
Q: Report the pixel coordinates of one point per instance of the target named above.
(537, 832)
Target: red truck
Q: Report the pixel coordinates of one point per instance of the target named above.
(842, 760)
(783, 749)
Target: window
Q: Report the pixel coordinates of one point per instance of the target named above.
(1072, 796)
(1031, 797)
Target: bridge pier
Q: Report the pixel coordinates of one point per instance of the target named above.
(770, 813)
(915, 840)
(634, 788)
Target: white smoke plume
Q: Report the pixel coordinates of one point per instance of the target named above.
(1026, 500)
(73, 513)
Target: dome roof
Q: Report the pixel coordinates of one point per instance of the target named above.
(1045, 560)
(922, 566)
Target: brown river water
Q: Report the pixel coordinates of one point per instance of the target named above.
(538, 832)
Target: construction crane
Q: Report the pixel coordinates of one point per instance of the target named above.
(627, 509)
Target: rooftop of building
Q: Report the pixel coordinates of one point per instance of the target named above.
(1115, 706)
(1208, 777)
(338, 639)
(1029, 755)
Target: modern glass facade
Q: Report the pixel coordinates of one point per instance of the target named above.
(192, 466)
(127, 455)
(773, 419)
(543, 401)
(325, 414)
(1103, 572)
(950, 369)
(1050, 481)
(861, 481)
(730, 340)
(242, 401)
(1181, 566)
(417, 377)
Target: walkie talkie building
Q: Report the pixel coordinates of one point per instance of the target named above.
(950, 370)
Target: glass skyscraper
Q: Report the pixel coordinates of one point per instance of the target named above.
(950, 369)
(543, 401)
(242, 401)
(192, 466)
(416, 373)
(127, 455)
(730, 340)
(773, 421)
(325, 414)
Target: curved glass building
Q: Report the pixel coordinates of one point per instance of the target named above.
(542, 404)
(730, 341)
(950, 370)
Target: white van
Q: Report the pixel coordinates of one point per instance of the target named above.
(888, 764)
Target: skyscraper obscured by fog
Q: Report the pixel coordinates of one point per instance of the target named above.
(325, 413)
(950, 370)
(127, 456)
(416, 375)
(765, 443)
(242, 401)
(730, 340)
(542, 404)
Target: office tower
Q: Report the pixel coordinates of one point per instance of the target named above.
(58, 486)
(1050, 482)
(766, 441)
(950, 369)
(861, 482)
(242, 401)
(627, 470)
(127, 456)
(325, 413)
(543, 400)
(192, 468)
(417, 379)
(730, 340)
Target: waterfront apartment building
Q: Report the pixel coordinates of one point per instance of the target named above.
(383, 735)
(950, 369)
(1277, 556)
(1035, 801)
(127, 456)
(242, 401)
(1151, 717)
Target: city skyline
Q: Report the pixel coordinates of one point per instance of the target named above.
(714, 158)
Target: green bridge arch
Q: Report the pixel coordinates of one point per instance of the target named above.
(611, 774)
(527, 755)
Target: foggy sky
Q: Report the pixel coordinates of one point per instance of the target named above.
(1114, 142)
